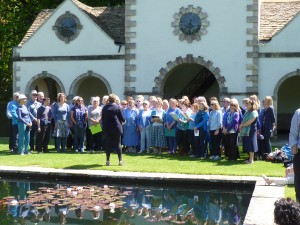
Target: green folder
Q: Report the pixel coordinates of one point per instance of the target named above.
(96, 129)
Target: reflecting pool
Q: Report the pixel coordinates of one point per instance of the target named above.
(62, 202)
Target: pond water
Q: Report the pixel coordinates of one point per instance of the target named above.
(62, 202)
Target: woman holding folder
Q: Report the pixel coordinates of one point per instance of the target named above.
(94, 116)
(157, 136)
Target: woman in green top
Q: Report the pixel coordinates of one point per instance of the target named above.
(248, 130)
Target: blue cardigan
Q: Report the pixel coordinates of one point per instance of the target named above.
(201, 119)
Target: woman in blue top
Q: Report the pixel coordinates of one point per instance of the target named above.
(248, 129)
(79, 116)
(130, 128)
(215, 125)
(61, 115)
(267, 124)
(170, 125)
(24, 125)
(200, 130)
(144, 124)
(191, 120)
(230, 129)
(182, 129)
(158, 140)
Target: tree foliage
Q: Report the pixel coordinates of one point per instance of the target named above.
(16, 16)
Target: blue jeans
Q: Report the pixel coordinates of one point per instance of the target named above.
(24, 136)
(13, 138)
(61, 143)
(145, 138)
(79, 133)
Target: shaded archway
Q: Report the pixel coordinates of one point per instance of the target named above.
(286, 100)
(47, 83)
(88, 85)
(190, 80)
(194, 66)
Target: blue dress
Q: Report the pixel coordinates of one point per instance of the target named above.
(130, 133)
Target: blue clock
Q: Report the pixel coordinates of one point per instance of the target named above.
(67, 27)
(190, 23)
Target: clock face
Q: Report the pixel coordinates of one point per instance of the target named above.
(190, 23)
(67, 27)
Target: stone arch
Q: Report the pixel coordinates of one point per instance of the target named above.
(44, 74)
(189, 59)
(276, 96)
(280, 82)
(75, 84)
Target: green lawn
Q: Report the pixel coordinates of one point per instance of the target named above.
(143, 163)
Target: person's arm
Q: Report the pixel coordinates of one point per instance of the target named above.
(72, 117)
(204, 121)
(294, 132)
(234, 121)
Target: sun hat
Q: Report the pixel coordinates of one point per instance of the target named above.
(34, 92)
(21, 96)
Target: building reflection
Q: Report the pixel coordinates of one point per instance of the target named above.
(31, 203)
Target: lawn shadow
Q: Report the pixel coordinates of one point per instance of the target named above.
(83, 167)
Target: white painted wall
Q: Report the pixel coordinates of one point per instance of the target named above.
(92, 40)
(271, 70)
(224, 44)
(67, 72)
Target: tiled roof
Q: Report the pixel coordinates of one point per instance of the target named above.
(111, 19)
(40, 19)
(275, 15)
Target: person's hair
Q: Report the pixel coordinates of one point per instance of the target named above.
(124, 102)
(235, 104)
(286, 212)
(201, 99)
(186, 104)
(129, 98)
(165, 101)
(213, 98)
(173, 100)
(60, 95)
(205, 106)
(131, 101)
(245, 100)
(253, 104)
(45, 99)
(152, 98)
(141, 97)
(226, 99)
(269, 100)
(96, 99)
(159, 102)
(216, 104)
(196, 107)
(112, 98)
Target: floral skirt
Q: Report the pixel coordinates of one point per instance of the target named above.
(157, 136)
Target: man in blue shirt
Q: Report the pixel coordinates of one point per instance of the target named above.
(11, 113)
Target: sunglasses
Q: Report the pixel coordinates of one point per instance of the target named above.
(212, 104)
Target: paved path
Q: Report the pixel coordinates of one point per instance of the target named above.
(260, 210)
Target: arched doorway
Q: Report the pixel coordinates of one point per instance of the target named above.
(190, 80)
(89, 85)
(191, 76)
(286, 100)
(47, 83)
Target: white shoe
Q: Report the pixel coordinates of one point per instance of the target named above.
(140, 151)
(212, 157)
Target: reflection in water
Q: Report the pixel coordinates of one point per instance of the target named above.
(32, 203)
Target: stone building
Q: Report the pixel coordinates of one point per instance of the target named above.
(216, 48)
